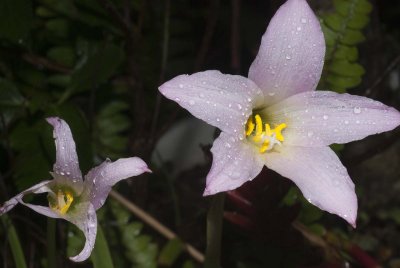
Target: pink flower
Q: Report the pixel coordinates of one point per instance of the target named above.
(277, 119)
(70, 197)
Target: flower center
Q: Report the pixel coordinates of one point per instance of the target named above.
(262, 135)
(62, 202)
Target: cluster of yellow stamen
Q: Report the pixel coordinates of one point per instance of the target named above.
(262, 134)
(63, 201)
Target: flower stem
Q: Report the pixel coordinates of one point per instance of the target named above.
(214, 231)
(51, 243)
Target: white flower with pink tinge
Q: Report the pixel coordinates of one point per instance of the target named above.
(70, 197)
(277, 119)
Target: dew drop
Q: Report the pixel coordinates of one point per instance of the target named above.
(299, 28)
(249, 99)
(180, 86)
(230, 105)
(218, 119)
(303, 20)
(271, 94)
(357, 110)
(310, 134)
(346, 122)
(325, 117)
(288, 57)
(239, 106)
(177, 99)
(191, 102)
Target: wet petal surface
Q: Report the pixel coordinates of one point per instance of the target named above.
(323, 117)
(222, 100)
(235, 162)
(99, 180)
(321, 177)
(66, 157)
(291, 54)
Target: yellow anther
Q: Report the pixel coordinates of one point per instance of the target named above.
(249, 126)
(259, 126)
(264, 146)
(63, 201)
(278, 129)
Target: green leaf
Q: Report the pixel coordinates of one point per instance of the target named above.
(345, 68)
(343, 52)
(359, 6)
(358, 21)
(9, 95)
(334, 21)
(352, 37)
(62, 55)
(58, 27)
(15, 245)
(170, 252)
(101, 256)
(343, 82)
(16, 17)
(97, 68)
(317, 229)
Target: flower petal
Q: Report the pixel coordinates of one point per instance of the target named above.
(320, 176)
(86, 220)
(100, 179)
(235, 162)
(323, 117)
(66, 157)
(222, 100)
(36, 189)
(291, 55)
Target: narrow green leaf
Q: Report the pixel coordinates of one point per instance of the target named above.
(170, 252)
(101, 256)
(330, 36)
(345, 68)
(358, 21)
(15, 245)
(62, 55)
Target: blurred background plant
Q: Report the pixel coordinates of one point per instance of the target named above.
(98, 63)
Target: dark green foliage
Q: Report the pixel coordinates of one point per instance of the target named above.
(343, 32)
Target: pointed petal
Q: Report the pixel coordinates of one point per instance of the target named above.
(321, 177)
(234, 162)
(100, 179)
(222, 100)
(86, 220)
(323, 117)
(291, 55)
(36, 189)
(66, 157)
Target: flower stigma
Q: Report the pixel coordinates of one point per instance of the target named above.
(262, 135)
(62, 201)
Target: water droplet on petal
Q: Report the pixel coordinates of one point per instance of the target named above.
(357, 110)
(271, 94)
(303, 20)
(346, 122)
(299, 28)
(325, 117)
(288, 57)
(180, 86)
(191, 102)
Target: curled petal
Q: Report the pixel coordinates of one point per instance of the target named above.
(321, 177)
(36, 189)
(291, 54)
(222, 100)
(323, 117)
(100, 179)
(66, 157)
(86, 220)
(234, 163)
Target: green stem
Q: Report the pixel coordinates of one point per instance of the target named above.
(214, 231)
(51, 242)
(101, 256)
(15, 245)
